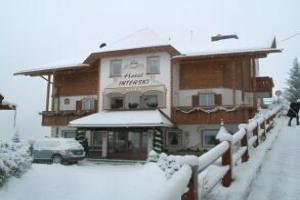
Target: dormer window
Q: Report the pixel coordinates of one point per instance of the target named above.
(116, 68)
(153, 65)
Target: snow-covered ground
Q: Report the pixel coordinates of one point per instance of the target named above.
(95, 182)
(279, 177)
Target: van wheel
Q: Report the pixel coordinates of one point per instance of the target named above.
(57, 159)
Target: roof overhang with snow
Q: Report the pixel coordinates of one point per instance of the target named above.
(52, 69)
(132, 51)
(256, 53)
(123, 119)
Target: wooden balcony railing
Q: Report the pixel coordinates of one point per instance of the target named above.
(62, 118)
(264, 84)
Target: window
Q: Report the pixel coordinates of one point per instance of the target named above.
(117, 103)
(153, 65)
(67, 101)
(209, 138)
(116, 68)
(69, 134)
(206, 99)
(150, 101)
(174, 138)
(88, 104)
(96, 139)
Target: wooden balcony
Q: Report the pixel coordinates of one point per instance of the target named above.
(264, 86)
(62, 118)
(194, 115)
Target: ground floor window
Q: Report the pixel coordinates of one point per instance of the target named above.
(209, 137)
(127, 141)
(96, 139)
(69, 133)
(174, 138)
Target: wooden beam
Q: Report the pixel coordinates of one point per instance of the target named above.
(48, 93)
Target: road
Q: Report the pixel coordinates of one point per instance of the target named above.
(279, 177)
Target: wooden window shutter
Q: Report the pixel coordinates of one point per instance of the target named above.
(96, 105)
(78, 106)
(195, 100)
(218, 99)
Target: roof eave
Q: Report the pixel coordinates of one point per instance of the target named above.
(110, 53)
(258, 53)
(49, 71)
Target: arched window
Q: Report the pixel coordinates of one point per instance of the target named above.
(67, 101)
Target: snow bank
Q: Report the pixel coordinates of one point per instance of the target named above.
(14, 160)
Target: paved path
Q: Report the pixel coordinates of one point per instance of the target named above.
(279, 178)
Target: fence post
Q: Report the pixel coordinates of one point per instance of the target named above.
(227, 160)
(222, 136)
(255, 133)
(263, 126)
(192, 193)
(244, 143)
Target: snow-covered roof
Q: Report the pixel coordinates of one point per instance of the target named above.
(137, 118)
(179, 45)
(228, 52)
(139, 39)
(49, 69)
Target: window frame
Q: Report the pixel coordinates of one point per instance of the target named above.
(91, 104)
(145, 101)
(67, 101)
(158, 68)
(120, 97)
(204, 145)
(93, 139)
(179, 138)
(111, 68)
(207, 94)
(64, 132)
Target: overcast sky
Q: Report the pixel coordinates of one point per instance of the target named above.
(35, 32)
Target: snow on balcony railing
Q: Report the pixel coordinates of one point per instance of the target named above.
(248, 135)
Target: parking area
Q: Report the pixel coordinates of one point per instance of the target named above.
(86, 181)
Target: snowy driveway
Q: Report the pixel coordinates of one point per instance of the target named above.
(279, 177)
(88, 182)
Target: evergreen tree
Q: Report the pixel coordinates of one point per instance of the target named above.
(293, 90)
(16, 137)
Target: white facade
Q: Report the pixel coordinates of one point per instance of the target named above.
(134, 78)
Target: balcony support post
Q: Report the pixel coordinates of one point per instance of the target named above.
(48, 92)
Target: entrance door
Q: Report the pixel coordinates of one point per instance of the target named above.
(117, 141)
(127, 144)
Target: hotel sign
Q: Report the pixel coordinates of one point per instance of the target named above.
(134, 79)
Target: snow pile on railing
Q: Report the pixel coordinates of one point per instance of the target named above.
(14, 160)
(177, 170)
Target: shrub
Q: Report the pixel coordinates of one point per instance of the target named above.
(14, 160)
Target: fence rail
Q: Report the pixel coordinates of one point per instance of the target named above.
(223, 156)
